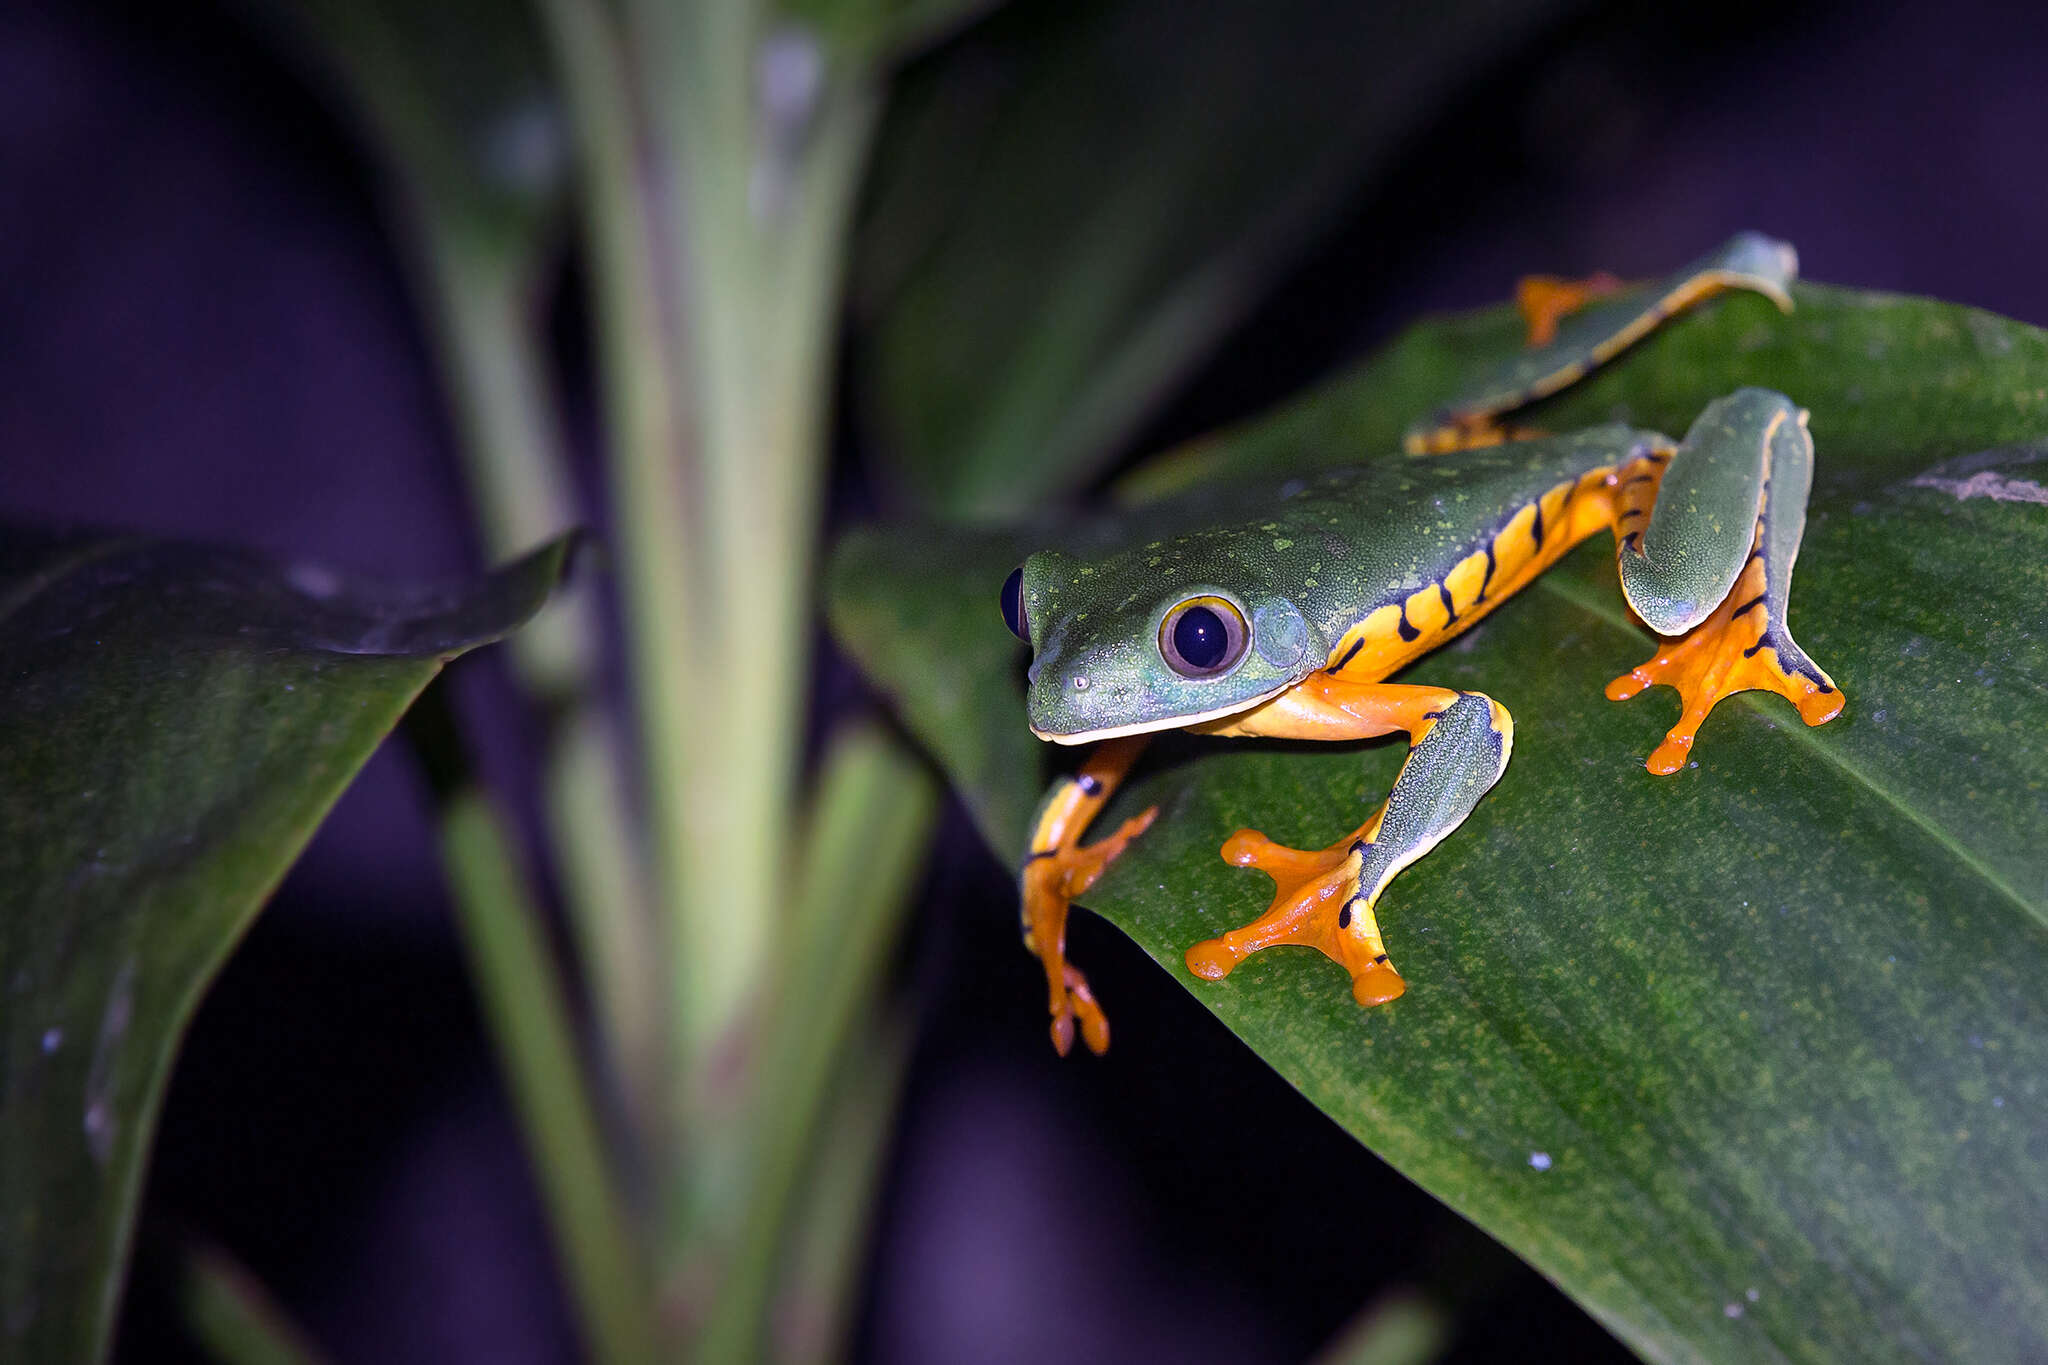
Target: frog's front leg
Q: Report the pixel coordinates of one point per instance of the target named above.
(1459, 745)
(1705, 546)
(1057, 868)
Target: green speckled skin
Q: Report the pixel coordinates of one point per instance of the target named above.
(1706, 513)
(1323, 551)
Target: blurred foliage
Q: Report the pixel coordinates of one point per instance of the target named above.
(1072, 206)
(175, 721)
(1749, 1060)
(458, 98)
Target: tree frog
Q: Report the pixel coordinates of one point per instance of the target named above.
(1280, 612)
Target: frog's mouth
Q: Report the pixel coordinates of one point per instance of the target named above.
(1147, 727)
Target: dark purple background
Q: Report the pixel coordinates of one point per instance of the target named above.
(204, 331)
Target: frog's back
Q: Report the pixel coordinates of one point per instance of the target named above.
(1388, 560)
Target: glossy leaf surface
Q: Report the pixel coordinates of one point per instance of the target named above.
(1752, 1060)
(175, 721)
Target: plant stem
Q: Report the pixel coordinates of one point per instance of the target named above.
(233, 1318)
(529, 1020)
(510, 430)
(1400, 1327)
(876, 805)
(823, 1255)
(653, 440)
(764, 141)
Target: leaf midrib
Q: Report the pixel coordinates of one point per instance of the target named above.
(1831, 756)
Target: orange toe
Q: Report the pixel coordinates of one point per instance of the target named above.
(1377, 984)
(1316, 904)
(1733, 650)
(1051, 879)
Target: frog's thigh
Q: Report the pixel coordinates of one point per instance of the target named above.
(1459, 745)
(1712, 562)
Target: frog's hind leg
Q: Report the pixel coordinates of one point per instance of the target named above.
(1705, 544)
(1324, 898)
(1058, 867)
(1592, 331)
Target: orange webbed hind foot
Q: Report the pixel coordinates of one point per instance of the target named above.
(1546, 300)
(1736, 649)
(1316, 903)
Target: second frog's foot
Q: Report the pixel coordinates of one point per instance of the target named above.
(1736, 649)
(1318, 902)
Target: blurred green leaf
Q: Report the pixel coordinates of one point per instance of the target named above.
(1073, 204)
(1751, 1060)
(175, 720)
(458, 98)
(881, 30)
(232, 1316)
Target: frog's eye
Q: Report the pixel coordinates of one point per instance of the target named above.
(1202, 637)
(1013, 605)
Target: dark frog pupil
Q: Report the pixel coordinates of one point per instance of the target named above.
(1200, 637)
(1013, 605)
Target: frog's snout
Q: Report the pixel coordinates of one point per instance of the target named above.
(1066, 705)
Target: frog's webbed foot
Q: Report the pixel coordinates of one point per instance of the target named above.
(1749, 450)
(1545, 300)
(1058, 867)
(1741, 647)
(1324, 898)
(1319, 901)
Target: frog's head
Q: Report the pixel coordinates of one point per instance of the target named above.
(1129, 644)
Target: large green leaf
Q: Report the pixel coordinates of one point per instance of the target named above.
(174, 723)
(1068, 213)
(1751, 1060)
